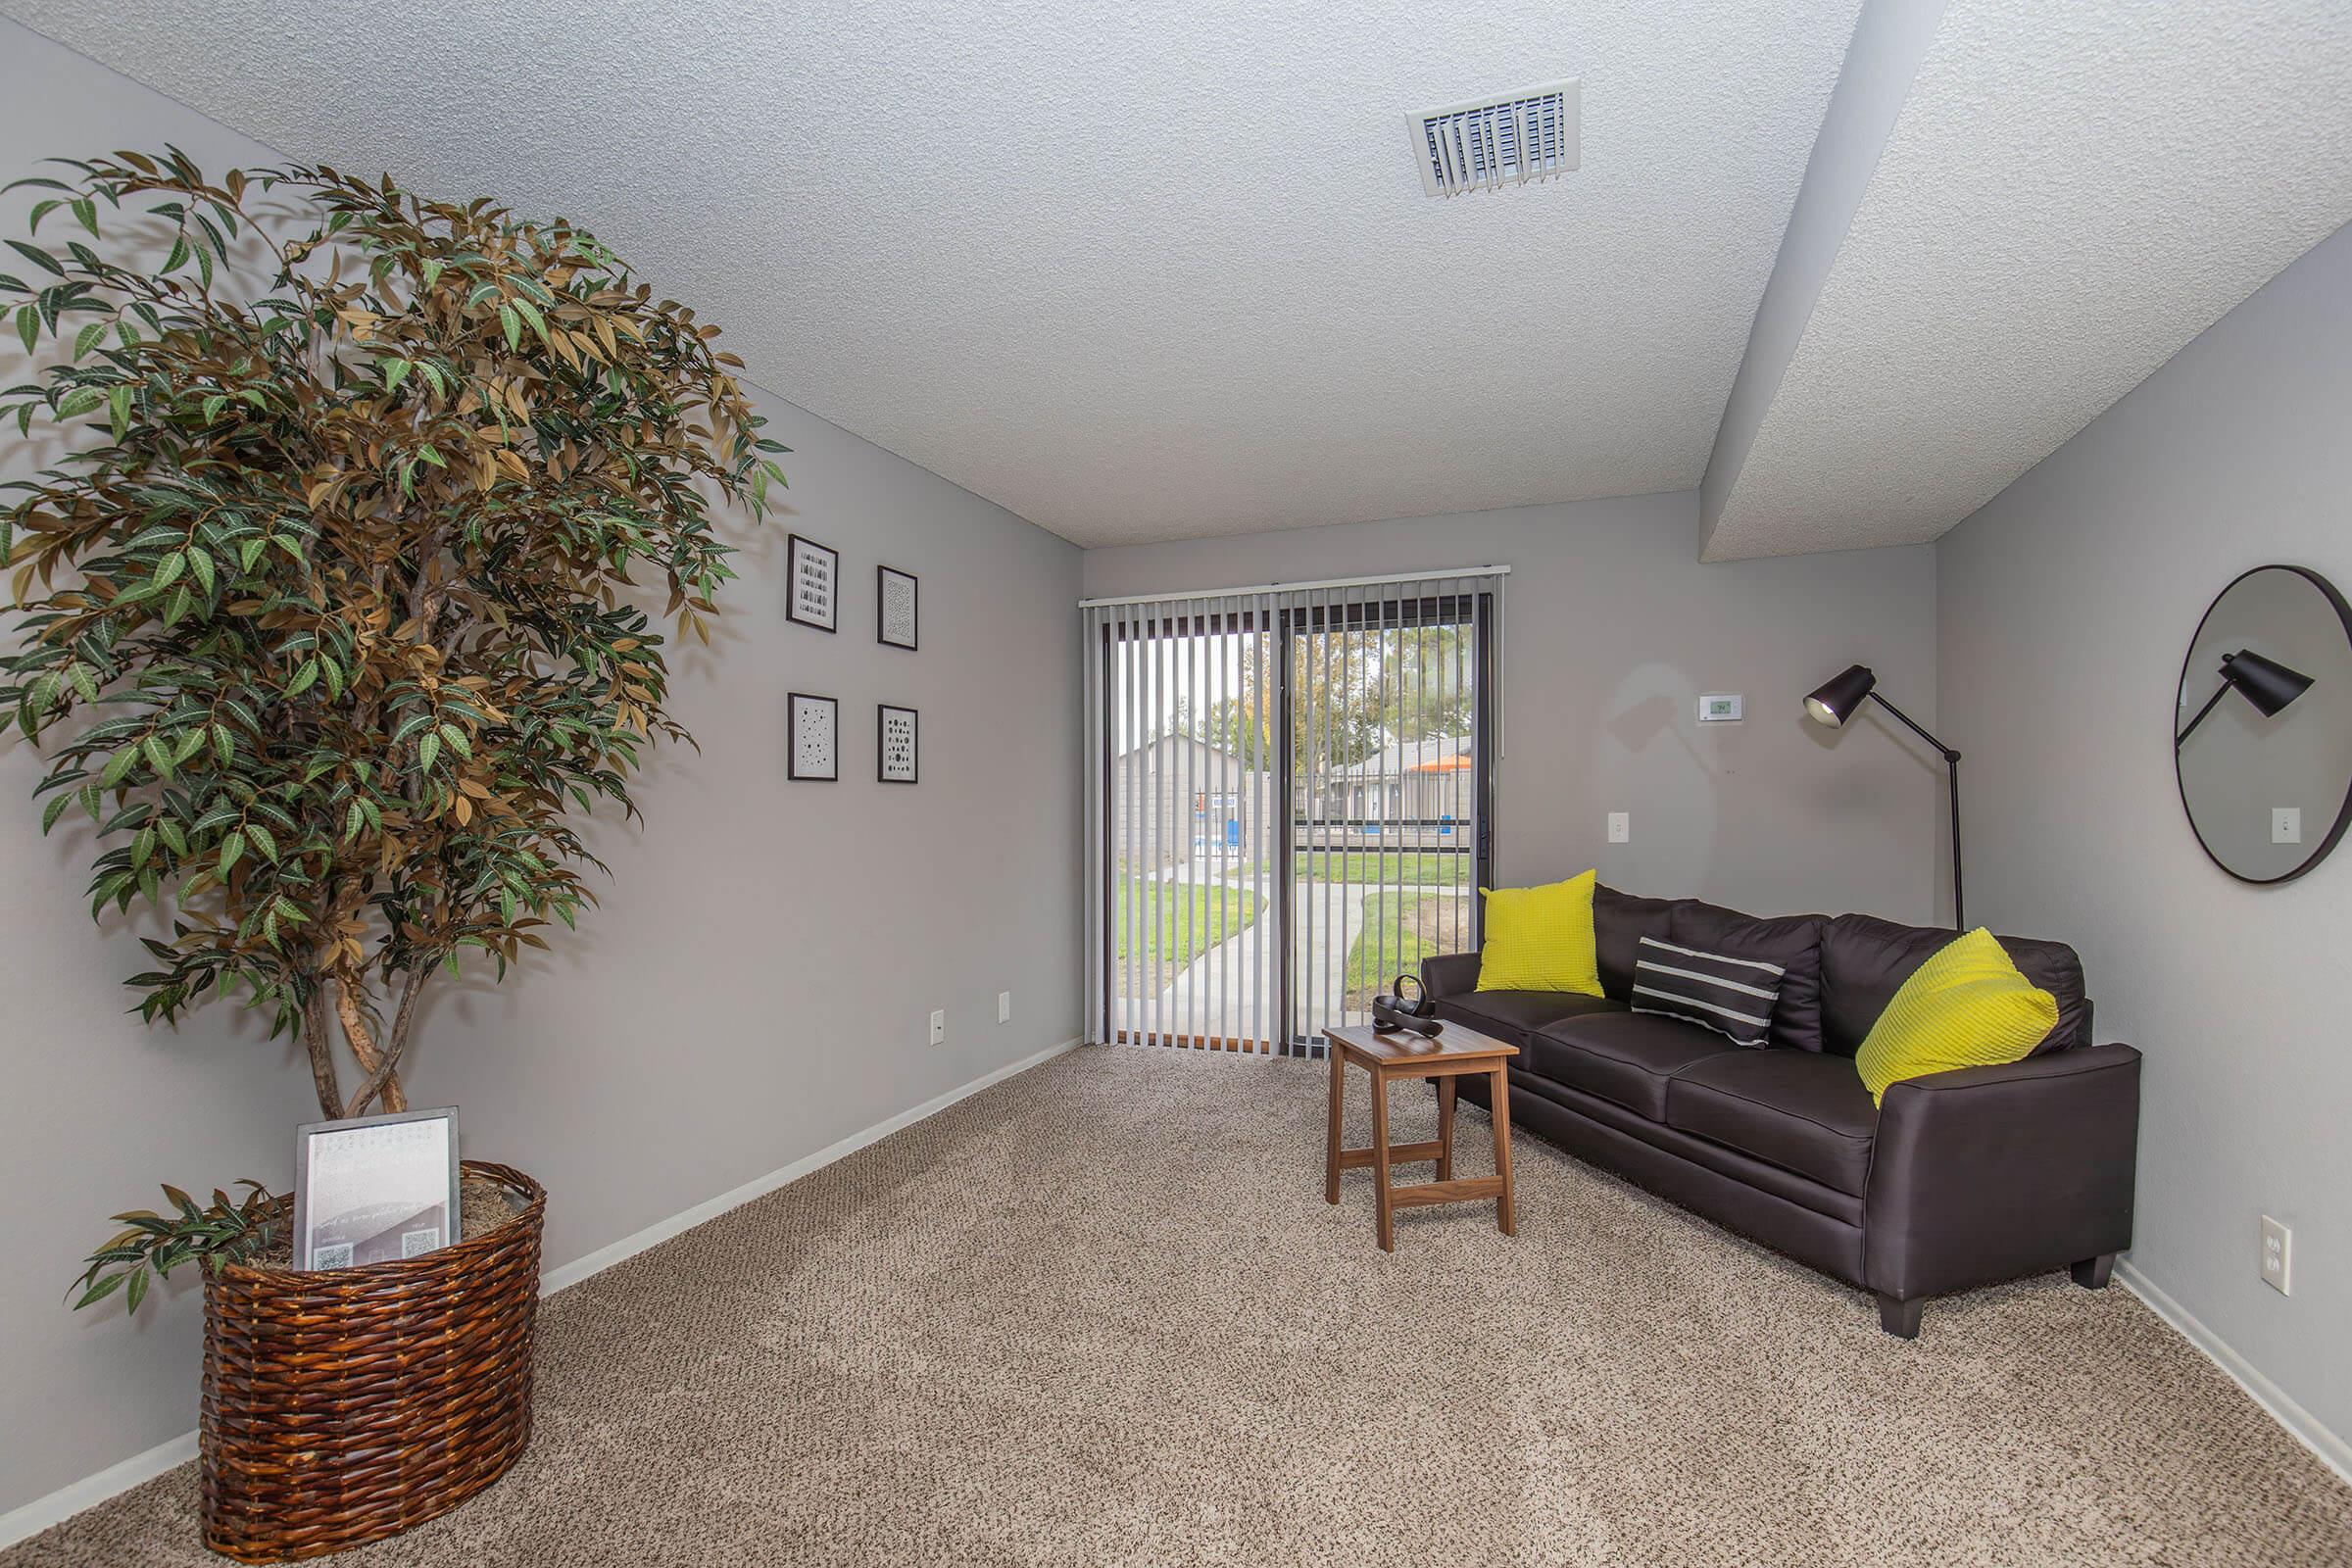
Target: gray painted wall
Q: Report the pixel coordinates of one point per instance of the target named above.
(754, 989)
(1614, 628)
(2067, 604)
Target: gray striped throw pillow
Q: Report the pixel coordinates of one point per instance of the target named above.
(1731, 995)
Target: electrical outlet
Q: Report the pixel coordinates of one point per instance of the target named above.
(2278, 1254)
(939, 1028)
(2286, 824)
(1004, 1006)
(1621, 827)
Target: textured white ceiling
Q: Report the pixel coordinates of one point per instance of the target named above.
(2071, 193)
(1132, 271)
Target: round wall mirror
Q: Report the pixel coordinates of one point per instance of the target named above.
(2263, 732)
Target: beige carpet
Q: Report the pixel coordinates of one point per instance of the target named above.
(1101, 1315)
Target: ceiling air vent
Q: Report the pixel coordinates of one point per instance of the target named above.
(1492, 142)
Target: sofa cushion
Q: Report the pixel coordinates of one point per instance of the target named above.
(1966, 1006)
(1733, 997)
(1802, 1110)
(1620, 920)
(1538, 939)
(1626, 1058)
(1514, 1017)
(1791, 941)
(1865, 960)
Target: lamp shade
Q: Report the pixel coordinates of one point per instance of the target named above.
(1835, 701)
(2266, 683)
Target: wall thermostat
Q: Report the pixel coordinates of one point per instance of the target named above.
(1723, 708)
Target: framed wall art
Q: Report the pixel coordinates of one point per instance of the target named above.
(375, 1188)
(894, 607)
(816, 738)
(815, 584)
(896, 744)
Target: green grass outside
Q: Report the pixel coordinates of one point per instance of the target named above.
(1400, 930)
(1398, 867)
(1178, 921)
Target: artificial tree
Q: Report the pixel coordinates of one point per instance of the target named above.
(330, 604)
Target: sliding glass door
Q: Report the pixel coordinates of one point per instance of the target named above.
(1290, 804)
(1388, 800)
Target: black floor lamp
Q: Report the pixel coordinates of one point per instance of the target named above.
(1842, 697)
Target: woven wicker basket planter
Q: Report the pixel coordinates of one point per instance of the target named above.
(344, 1406)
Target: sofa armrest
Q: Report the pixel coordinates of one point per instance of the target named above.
(1989, 1173)
(1450, 975)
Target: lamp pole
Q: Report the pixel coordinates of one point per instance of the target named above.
(1951, 763)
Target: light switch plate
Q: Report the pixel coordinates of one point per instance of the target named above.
(2286, 824)
(939, 1028)
(1004, 1006)
(1719, 708)
(1621, 827)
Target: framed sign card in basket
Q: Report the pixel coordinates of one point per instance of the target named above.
(894, 612)
(375, 1188)
(815, 585)
(816, 738)
(896, 727)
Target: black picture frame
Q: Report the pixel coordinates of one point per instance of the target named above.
(914, 743)
(792, 737)
(882, 576)
(798, 542)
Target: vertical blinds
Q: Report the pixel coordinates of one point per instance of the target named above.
(1284, 807)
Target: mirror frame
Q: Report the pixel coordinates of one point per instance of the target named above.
(2344, 812)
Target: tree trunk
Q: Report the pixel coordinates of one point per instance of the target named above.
(364, 1048)
(321, 1050)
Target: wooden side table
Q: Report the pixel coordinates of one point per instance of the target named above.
(1451, 1052)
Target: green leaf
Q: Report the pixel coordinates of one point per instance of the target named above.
(506, 316)
(53, 811)
(303, 678)
(426, 750)
(87, 337)
(232, 848)
(29, 326)
(38, 256)
(395, 372)
(169, 572)
(159, 756)
(100, 1291)
(351, 822)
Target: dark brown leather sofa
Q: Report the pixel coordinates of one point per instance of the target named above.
(1960, 1179)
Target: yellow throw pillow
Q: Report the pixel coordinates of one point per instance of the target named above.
(1541, 939)
(1966, 1006)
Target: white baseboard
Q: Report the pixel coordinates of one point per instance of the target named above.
(90, 1491)
(2333, 1452)
(653, 1234)
(67, 1500)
